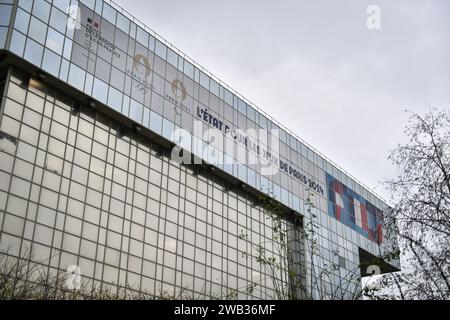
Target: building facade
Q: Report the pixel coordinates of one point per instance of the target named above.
(98, 116)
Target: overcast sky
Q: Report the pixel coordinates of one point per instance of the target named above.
(316, 67)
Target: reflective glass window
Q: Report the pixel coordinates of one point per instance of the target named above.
(102, 70)
(63, 5)
(41, 10)
(251, 113)
(189, 69)
(121, 41)
(22, 20)
(123, 23)
(55, 41)
(125, 105)
(64, 71)
(58, 20)
(3, 34)
(89, 3)
(26, 4)
(204, 80)
(172, 57)
(142, 36)
(5, 14)
(115, 99)
(228, 97)
(136, 111)
(155, 122)
(67, 48)
(168, 128)
(160, 49)
(34, 52)
(38, 30)
(89, 83)
(242, 107)
(100, 91)
(109, 13)
(117, 78)
(76, 77)
(214, 87)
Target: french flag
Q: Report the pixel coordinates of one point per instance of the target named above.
(92, 22)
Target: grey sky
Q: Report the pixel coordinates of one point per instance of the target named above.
(315, 66)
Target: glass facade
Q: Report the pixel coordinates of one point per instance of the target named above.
(76, 194)
(120, 209)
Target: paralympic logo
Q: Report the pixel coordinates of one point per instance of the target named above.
(179, 93)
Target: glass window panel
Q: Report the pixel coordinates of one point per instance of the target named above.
(242, 107)
(125, 105)
(64, 71)
(168, 128)
(41, 9)
(17, 43)
(132, 32)
(26, 4)
(115, 99)
(58, 20)
(100, 91)
(76, 77)
(55, 41)
(34, 52)
(204, 80)
(214, 87)
(196, 74)
(109, 13)
(51, 62)
(121, 41)
(98, 6)
(61, 115)
(32, 118)
(155, 122)
(63, 5)
(142, 36)
(146, 117)
(71, 243)
(67, 48)
(17, 206)
(38, 30)
(251, 113)
(108, 34)
(13, 109)
(29, 135)
(123, 23)
(172, 57)
(22, 20)
(80, 56)
(3, 35)
(228, 97)
(136, 111)
(102, 70)
(189, 69)
(5, 14)
(160, 49)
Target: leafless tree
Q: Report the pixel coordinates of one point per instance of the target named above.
(420, 215)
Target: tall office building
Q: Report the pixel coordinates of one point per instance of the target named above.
(98, 115)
